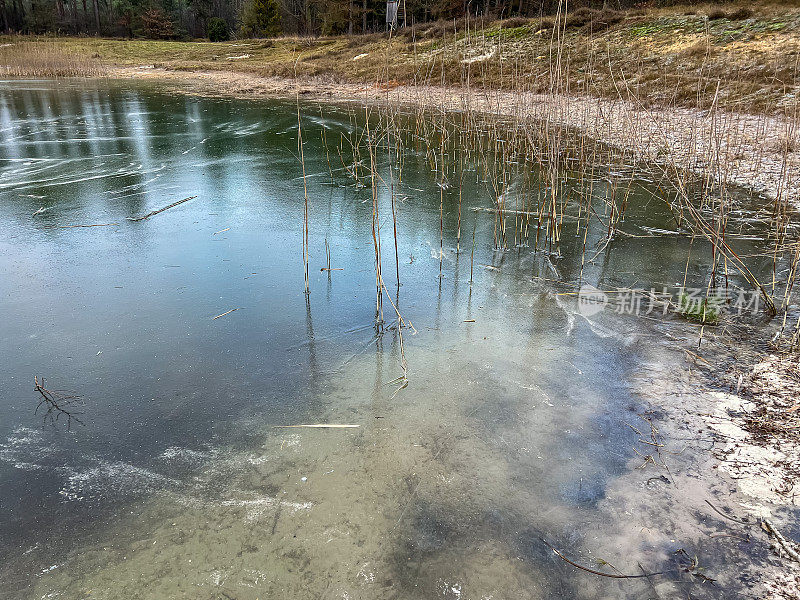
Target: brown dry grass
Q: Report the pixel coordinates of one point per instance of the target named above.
(44, 58)
(661, 57)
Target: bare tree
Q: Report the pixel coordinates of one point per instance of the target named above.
(96, 15)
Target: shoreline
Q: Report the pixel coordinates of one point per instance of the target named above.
(758, 153)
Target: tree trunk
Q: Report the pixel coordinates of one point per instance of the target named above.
(350, 19)
(75, 15)
(4, 17)
(19, 13)
(96, 15)
(364, 16)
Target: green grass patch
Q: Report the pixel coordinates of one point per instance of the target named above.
(508, 34)
(699, 311)
(663, 24)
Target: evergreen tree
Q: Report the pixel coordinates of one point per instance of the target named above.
(261, 18)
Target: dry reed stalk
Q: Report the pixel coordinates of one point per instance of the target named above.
(305, 198)
(305, 249)
(393, 194)
(472, 250)
(441, 203)
(376, 229)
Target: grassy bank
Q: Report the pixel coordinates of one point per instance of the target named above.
(737, 58)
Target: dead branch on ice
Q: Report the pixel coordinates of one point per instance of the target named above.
(784, 544)
(160, 210)
(57, 403)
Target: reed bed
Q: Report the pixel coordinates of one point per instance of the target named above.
(544, 178)
(44, 58)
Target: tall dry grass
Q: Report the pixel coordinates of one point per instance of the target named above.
(46, 58)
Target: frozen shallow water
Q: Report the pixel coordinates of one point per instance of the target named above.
(517, 428)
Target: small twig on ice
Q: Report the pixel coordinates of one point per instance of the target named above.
(73, 226)
(160, 210)
(225, 313)
(722, 514)
(588, 570)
